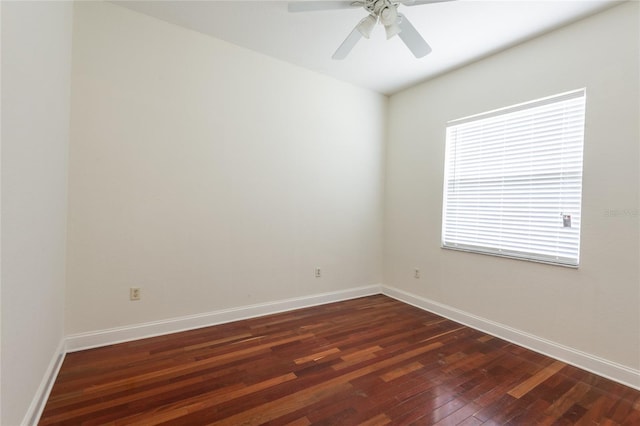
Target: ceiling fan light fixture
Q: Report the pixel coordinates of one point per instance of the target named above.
(392, 30)
(366, 25)
(388, 15)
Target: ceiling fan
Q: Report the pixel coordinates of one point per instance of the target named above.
(383, 11)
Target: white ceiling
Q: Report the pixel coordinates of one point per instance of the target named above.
(458, 31)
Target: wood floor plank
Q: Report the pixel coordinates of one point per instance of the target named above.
(316, 356)
(367, 361)
(401, 371)
(532, 382)
(302, 421)
(379, 420)
(562, 404)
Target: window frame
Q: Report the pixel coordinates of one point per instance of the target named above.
(578, 96)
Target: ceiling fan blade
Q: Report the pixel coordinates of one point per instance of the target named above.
(412, 38)
(314, 6)
(347, 45)
(421, 2)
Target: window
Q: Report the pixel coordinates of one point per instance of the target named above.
(513, 181)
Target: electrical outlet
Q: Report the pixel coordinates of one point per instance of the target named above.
(416, 273)
(318, 273)
(134, 293)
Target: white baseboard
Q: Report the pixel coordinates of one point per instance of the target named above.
(600, 366)
(36, 408)
(81, 341)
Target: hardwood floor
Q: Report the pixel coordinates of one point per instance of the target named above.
(369, 361)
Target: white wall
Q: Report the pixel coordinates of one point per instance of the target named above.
(211, 176)
(595, 308)
(36, 73)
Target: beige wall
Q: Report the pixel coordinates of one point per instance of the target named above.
(595, 308)
(36, 73)
(211, 176)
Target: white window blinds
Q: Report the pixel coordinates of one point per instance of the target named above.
(513, 181)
